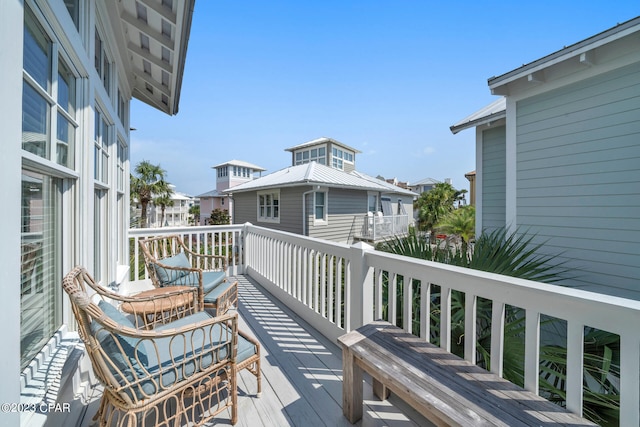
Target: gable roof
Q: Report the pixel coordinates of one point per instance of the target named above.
(495, 111)
(320, 141)
(317, 174)
(582, 53)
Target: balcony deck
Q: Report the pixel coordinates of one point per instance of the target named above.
(301, 374)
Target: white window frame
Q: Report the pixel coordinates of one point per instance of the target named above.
(325, 206)
(300, 159)
(267, 208)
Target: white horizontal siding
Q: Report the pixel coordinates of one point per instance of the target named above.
(578, 178)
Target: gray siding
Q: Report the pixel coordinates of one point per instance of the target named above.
(343, 207)
(578, 178)
(290, 209)
(493, 178)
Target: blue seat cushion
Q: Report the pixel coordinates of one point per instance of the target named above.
(165, 275)
(180, 357)
(246, 348)
(210, 280)
(127, 355)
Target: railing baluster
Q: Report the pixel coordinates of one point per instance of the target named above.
(445, 317)
(407, 310)
(575, 363)
(629, 379)
(497, 337)
(470, 307)
(392, 297)
(532, 351)
(425, 309)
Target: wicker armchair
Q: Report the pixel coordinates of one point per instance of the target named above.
(170, 262)
(182, 372)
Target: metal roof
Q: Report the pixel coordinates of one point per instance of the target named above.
(425, 181)
(212, 193)
(621, 30)
(317, 174)
(241, 164)
(322, 140)
(155, 35)
(492, 112)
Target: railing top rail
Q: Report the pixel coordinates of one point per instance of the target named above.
(606, 312)
(321, 245)
(133, 232)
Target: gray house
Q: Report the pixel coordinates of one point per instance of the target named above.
(317, 200)
(559, 155)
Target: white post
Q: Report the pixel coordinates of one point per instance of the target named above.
(359, 292)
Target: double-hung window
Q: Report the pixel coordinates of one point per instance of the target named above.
(320, 206)
(269, 206)
(49, 130)
(102, 62)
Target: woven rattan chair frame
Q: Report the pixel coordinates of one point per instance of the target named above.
(140, 395)
(157, 248)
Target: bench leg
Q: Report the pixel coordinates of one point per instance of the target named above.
(351, 387)
(380, 390)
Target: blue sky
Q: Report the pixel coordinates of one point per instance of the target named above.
(385, 77)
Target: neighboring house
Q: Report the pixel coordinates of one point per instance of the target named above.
(68, 72)
(228, 175)
(558, 156)
(423, 185)
(317, 200)
(176, 215)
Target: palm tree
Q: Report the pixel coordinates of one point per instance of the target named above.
(435, 204)
(194, 211)
(460, 222)
(163, 200)
(149, 181)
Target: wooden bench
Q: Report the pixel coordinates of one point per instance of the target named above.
(442, 387)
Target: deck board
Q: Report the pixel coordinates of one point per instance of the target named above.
(301, 374)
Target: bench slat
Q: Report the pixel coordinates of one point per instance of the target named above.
(443, 387)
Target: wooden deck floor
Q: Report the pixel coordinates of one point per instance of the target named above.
(301, 374)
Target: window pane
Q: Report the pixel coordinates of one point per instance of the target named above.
(41, 228)
(74, 10)
(66, 89)
(35, 122)
(97, 58)
(276, 209)
(37, 48)
(65, 146)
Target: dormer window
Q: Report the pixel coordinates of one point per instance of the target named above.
(317, 155)
(339, 157)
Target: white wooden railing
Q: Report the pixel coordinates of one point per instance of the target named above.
(220, 239)
(380, 227)
(337, 288)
